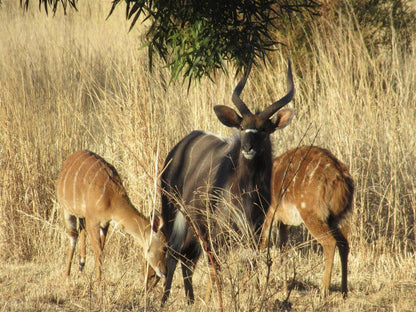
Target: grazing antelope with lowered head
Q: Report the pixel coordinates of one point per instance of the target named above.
(311, 186)
(90, 191)
(206, 173)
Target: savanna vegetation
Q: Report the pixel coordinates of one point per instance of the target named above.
(81, 82)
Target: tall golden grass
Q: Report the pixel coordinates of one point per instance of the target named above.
(80, 82)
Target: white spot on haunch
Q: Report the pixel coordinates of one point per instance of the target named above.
(179, 224)
(291, 215)
(83, 208)
(73, 241)
(303, 205)
(67, 215)
(159, 273)
(179, 229)
(114, 223)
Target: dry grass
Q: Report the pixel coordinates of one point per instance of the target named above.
(74, 82)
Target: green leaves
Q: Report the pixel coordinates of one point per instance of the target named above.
(197, 37)
(51, 3)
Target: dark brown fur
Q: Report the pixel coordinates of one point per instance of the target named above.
(208, 175)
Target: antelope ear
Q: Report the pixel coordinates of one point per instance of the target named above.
(157, 223)
(227, 116)
(282, 118)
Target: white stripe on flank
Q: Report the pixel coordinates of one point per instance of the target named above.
(91, 183)
(305, 175)
(189, 162)
(97, 160)
(207, 157)
(75, 182)
(251, 130)
(85, 182)
(191, 151)
(216, 135)
(103, 191)
(66, 176)
(313, 171)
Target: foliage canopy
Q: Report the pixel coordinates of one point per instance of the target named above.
(196, 37)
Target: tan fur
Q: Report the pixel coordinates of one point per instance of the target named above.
(310, 185)
(90, 191)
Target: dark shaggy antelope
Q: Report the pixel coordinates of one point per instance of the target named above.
(311, 186)
(205, 173)
(90, 190)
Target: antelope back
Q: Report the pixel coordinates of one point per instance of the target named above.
(87, 180)
(312, 181)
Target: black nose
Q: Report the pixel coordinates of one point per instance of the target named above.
(247, 147)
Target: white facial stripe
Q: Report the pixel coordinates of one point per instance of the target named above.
(251, 130)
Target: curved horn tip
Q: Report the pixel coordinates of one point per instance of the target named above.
(269, 111)
(242, 107)
(290, 83)
(249, 65)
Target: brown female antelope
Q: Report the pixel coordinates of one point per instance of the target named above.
(203, 171)
(90, 190)
(310, 185)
